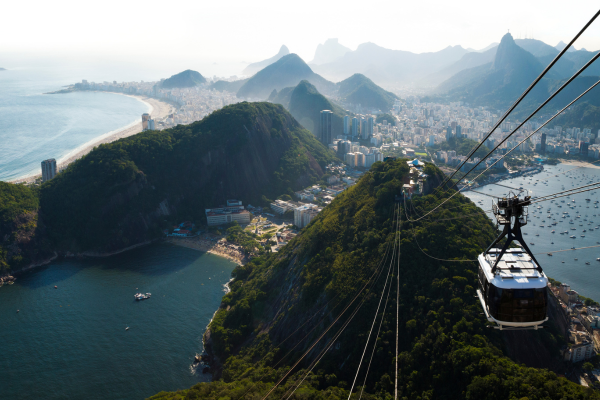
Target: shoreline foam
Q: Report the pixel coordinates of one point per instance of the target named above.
(157, 109)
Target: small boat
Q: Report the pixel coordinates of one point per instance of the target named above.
(127, 328)
(141, 296)
(575, 259)
(572, 237)
(55, 287)
(550, 254)
(587, 263)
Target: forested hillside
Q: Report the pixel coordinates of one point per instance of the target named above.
(21, 234)
(126, 192)
(281, 303)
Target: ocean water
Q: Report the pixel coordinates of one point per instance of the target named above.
(71, 342)
(566, 266)
(35, 126)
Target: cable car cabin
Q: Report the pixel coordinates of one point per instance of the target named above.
(515, 295)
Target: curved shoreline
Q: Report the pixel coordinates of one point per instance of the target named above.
(157, 109)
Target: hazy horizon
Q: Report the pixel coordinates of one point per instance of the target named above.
(238, 33)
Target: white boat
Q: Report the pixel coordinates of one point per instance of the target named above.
(141, 296)
(572, 237)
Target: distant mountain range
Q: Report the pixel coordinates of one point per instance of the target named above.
(515, 65)
(389, 67)
(257, 66)
(187, 78)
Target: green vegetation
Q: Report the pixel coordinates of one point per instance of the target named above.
(358, 89)
(187, 78)
(306, 104)
(446, 351)
(20, 241)
(127, 191)
(246, 239)
(282, 97)
(386, 117)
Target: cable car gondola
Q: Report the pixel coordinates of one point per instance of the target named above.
(512, 286)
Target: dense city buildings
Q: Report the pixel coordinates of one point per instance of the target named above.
(191, 103)
(48, 169)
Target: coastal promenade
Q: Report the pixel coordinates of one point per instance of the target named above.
(158, 110)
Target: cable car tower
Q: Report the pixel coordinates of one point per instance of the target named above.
(512, 286)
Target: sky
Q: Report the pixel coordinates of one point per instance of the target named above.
(239, 32)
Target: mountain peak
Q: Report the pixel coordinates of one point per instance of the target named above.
(507, 39)
(283, 50)
(510, 56)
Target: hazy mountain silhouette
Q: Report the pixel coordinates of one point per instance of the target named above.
(328, 52)
(497, 83)
(358, 89)
(389, 67)
(561, 45)
(285, 72)
(228, 86)
(257, 66)
(281, 97)
(306, 104)
(187, 78)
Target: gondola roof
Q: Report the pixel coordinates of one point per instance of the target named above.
(516, 270)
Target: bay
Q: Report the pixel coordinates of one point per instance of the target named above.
(70, 342)
(35, 126)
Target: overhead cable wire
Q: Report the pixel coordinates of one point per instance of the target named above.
(560, 251)
(372, 282)
(537, 199)
(564, 195)
(511, 150)
(525, 93)
(564, 85)
(314, 327)
(336, 336)
(417, 241)
(397, 302)
(376, 312)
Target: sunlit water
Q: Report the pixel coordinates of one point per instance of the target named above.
(36, 126)
(583, 278)
(71, 342)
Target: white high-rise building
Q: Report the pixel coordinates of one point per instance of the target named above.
(48, 169)
(346, 125)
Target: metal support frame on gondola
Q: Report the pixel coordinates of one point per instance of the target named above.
(507, 210)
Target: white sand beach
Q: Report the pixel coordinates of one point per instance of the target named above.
(158, 110)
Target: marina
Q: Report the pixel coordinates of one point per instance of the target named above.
(569, 254)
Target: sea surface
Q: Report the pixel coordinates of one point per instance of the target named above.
(565, 266)
(71, 343)
(35, 126)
